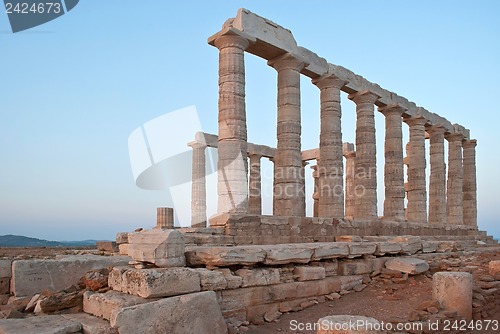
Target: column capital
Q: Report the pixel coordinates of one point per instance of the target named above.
(416, 120)
(329, 81)
(231, 37)
(469, 143)
(454, 136)
(254, 156)
(364, 96)
(287, 61)
(392, 109)
(197, 144)
(436, 128)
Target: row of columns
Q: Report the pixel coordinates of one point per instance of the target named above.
(454, 205)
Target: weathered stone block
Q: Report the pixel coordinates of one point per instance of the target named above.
(258, 277)
(342, 324)
(446, 246)
(355, 267)
(408, 265)
(453, 291)
(161, 282)
(102, 304)
(409, 244)
(307, 273)
(349, 282)
(282, 254)
(123, 249)
(164, 248)
(193, 313)
(121, 238)
(225, 256)
(107, 246)
(46, 324)
(361, 248)
(348, 238)
(429, 246)
(32, 276)
(494, 267)
(330, 250)
(91, 324)
(212, 279)
(5, 268)
(233, 281)
(387, 248)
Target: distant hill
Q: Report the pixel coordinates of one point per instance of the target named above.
(22, 241)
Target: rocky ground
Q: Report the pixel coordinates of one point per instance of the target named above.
(388, 296)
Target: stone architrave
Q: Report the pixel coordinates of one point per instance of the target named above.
(417, 191)
(331, 170)
(437, 183)
(469, 183)
(350, 157)
(454, 193)
(232, 184)
(394, 207)
(255, 187)
(365, 179)
(198, 186)
(288, 190)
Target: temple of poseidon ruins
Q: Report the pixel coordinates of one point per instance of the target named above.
(241, 267)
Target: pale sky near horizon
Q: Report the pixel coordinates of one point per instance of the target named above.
(74, 89)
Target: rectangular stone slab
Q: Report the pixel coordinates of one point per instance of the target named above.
(102, 304)
(407, 265)
(47, 324)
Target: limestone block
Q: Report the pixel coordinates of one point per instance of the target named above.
(361, 248)
(122, 238)
(257, 277)
(349, 282)
(91, 324)
(107, 246)
(409, 244)
(46, 324)
(429, 246)
(355, 267)
(160, 282)
(453, 291)
(446, 246)
(163, 247)
(193, 313)
(307, 273)
(115, 277)
(330, 250)
(32, 276)
(282, 254)
(225, 256)
(238, 298)
(212, 279)
(233, 281)
(5, 268)
(123, 249)
(387, 248)
(347, 324)
(408, 265)
(102, 304)
(494, 267)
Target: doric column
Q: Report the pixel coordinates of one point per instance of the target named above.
(232, 186)
(394, 202)
(365, 163)
(417, 190)
(350, 157)
(331, 168)
(469, 183)
(288, 190)
(437, 183)
(255, 190)
(315, 195)
(454, 193)
(198, 186)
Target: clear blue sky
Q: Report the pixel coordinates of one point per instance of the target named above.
(74, 89)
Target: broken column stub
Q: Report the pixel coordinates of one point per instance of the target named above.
(453, 291)
(165, 217)
(163, 247)
(347, 324)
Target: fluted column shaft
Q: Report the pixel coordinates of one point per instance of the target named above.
(350, 165)
(469, 183)
(288, 190)
(255, 189)
(232, 186)
(198, 186)
(417, 189)
(454, 193)
(331, 167)
(437, 183)
(315, 195)
(365, 181)
(394, 206)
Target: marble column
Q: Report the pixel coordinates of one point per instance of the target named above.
(350, 157)
(469, 183)
(365, 180)
(394, 205)
(198, 186)
(255, 188)
(315, 195)
(232, 186)
(437, 183)
(454, 193)
(288, 188)
(417, 189)
(331, 167)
